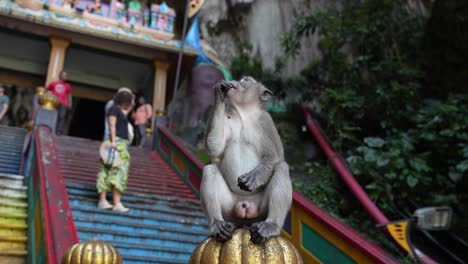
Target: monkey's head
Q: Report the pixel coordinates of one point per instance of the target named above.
(246, 92)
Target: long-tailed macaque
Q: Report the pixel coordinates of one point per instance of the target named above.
(247, 183)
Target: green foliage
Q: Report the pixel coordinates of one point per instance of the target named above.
(319, 186)
(400, 143)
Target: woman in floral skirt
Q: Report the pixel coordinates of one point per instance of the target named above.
(115, 178)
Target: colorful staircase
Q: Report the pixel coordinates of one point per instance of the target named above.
(165, 222)
(13, 197)
(11, 147)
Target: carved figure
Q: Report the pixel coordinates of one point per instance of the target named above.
(250, 184)
(134, 12)
(162, 17)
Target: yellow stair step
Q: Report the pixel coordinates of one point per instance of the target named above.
(13, 256)
(12, 245)
(13, 210)
(13, 238)
(12, 259)
(4, 201)
(13, 224)
(10, 216)
(7, 232)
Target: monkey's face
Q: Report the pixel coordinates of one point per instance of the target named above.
(247, 92)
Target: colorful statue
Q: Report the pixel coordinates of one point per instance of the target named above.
(162, 17)
(120, 12)
(96, 8)
(134, 12)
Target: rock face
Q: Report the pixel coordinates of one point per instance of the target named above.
(229, 24)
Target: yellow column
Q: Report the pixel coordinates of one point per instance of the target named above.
(159, 89)
(57, 57)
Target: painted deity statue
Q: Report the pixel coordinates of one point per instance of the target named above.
(134, 12)
(162, 17)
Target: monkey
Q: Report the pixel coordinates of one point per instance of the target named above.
(247, 183)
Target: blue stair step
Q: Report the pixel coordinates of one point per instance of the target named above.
(11, 147)
(144, 217)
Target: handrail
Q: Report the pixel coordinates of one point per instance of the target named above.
(304, 214)
(354, 186)
(51, 227)
(344, 173)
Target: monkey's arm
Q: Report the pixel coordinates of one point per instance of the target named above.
(271, 153)
(216, 133)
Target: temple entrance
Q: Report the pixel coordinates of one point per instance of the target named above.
(87, 119)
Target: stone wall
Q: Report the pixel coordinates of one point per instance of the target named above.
(228, 24)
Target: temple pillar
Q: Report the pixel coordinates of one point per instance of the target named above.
(159, 89)
(57, 57)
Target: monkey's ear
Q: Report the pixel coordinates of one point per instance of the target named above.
(266, 96)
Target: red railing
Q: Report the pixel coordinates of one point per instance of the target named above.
(51, 227)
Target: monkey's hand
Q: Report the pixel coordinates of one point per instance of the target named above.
(261, 231)
(221, 89)
(222, 230)
(247, 182)
(253, 179)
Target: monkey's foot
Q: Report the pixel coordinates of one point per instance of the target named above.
(261, 231)
(222, 230)
(246, 182)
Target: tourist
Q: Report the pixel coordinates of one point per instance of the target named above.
(142, 118)
(109, 104)
(62, 90)
(4, 103)
(114, 178)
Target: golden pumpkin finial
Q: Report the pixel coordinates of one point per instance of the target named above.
(40, 90)
(48, 101)
(239, 249)
(92, 251)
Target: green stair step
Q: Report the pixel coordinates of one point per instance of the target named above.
(12, 202)
(11, 214)
(13, 209)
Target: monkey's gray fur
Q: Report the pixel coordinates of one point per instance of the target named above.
(248, 183)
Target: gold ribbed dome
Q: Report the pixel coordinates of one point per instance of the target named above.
(92, 251)
(48, 101)
(241, 250)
